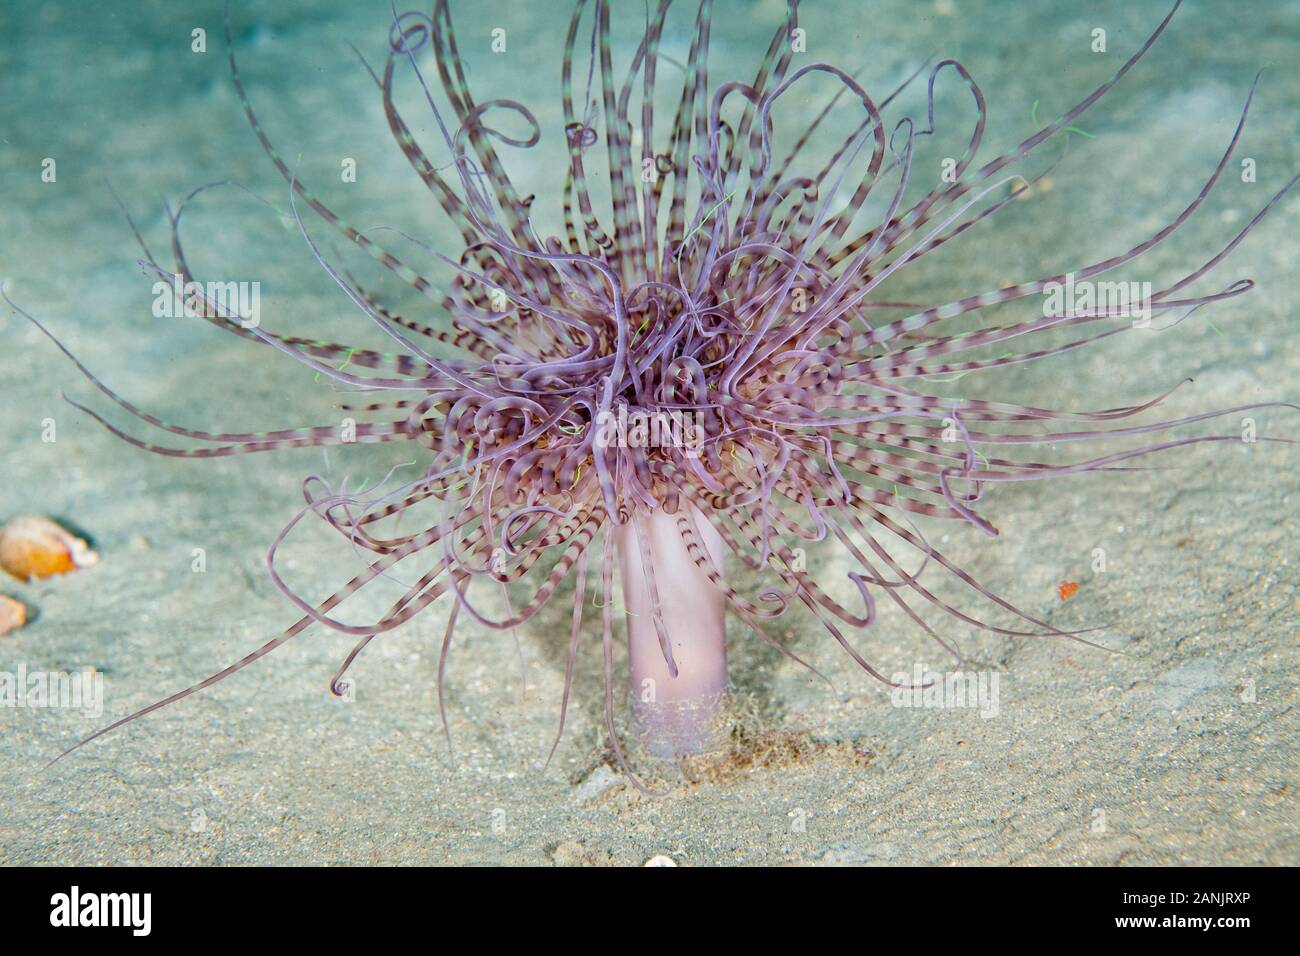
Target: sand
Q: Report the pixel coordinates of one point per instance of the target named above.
(1179, 749)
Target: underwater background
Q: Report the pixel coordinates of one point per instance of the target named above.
(1182, 749)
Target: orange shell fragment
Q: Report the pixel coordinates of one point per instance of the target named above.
(1067, 589)
(34, 547)
(13, 615)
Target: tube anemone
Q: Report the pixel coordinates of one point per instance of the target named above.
(736, 290)
(677, 661)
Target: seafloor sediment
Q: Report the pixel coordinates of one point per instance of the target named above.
(1182, 749)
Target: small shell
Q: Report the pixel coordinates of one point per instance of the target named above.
(33, 547)
(13, 615)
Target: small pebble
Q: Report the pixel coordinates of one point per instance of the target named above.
(13, 615)
(34, 547)
(596, 783)
(660, 860)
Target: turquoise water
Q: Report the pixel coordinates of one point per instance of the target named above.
(269, 768)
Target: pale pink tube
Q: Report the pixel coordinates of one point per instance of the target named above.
(686, 714)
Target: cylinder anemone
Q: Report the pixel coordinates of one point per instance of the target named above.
(703, 367)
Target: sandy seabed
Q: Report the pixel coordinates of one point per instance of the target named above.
(1181, 749)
